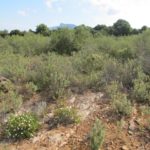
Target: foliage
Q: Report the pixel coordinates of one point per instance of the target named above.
(21, 126)
(10, 101)
(120, 103)
(31, 88)
(83, 58)
(43, 29)
(4, 33)
(66, 116)
(145, 110)
(16, 32)
(121, 27)
(97, 135)
(141, 90)
(113, 88)
(63, 42)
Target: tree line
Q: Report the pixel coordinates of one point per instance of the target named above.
(119, 28)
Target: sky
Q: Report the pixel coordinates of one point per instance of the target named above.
(27, 14)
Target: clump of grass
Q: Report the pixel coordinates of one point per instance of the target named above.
(66, 116)
(97, 135)
(120, 103)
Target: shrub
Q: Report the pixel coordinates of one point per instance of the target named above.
(113, 88)
(22, 126)
(121, 104)
(145, 110)
(63, 42)
(58, 84)
(111, 71)
(141, 90)
(11, 101)
(66, 116)
(31, 88)
(40, 109)
(13, 66)
(87, 63)
(97, 135)
(129, 73)
(51, 76)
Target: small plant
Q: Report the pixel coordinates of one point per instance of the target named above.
(113, 88)
(57, 85)
(30, 88)
(66, 116)
(22, 126)
(11, 101)
(141, 89)
(120, 124)
(121, 104)
(97, 135)
(40, 109)
(145, 110)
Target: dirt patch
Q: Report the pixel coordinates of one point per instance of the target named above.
(76, 137)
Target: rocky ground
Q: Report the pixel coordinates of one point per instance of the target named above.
(121, 134)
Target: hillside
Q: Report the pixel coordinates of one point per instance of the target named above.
(75, 89)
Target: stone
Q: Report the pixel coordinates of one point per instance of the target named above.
(138, 121)
(124, 147)
(130, 132)
(132, 125)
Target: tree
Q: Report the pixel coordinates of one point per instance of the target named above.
(3, 33)
(16, 32)
(135, 31)
(43, 29)
(63, 42)
(144, 28)
(102, 28)
(121, 28)
(82, 33)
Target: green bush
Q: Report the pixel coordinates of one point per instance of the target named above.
(31, 88)
(130, 71)
(145, 110)
(22, 126)
(11, 101)
(121, 104)
(63, 42)
(66, 116)
(13, 66)
(30, 44)
(57, 85)
(111, 71)
(141, 90)
(113, 88)
(88, 63)
(97, 135)
(50, 73)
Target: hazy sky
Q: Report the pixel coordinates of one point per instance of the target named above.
(25, 14)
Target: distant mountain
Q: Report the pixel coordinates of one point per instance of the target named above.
(63, 25)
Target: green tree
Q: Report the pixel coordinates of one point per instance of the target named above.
(103, 29)
(63, 42)
(16, 32)
(3, 33)
(42, 29)
(121, 27)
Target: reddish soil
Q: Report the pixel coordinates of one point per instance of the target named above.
(126, 136)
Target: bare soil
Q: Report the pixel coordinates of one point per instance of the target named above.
(128, 134)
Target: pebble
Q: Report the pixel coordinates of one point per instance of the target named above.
(124, 148)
